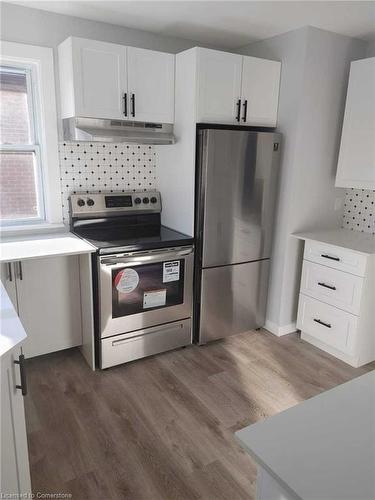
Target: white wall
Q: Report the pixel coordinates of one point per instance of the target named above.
(370, 49)
(315, 69)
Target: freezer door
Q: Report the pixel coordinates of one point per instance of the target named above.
(233, 299)
(237, 195)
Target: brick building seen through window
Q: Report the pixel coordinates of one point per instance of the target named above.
(20, 169)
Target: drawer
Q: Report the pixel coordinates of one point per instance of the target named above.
(334, 287)
(335, 257)
(128, 347)
(326, 323)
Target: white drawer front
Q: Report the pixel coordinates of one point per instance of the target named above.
(326, 323)
(334, 287)
(336, 257)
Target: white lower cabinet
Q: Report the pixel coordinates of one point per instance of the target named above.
(8, 279)
(336, 302)
(15, 472)
(334, 327)
(46, 294)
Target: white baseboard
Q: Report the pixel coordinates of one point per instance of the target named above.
(280, 330)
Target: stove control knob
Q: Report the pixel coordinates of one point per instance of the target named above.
(80, 202)
(146, 200)
(137, 201)
(154, 199)
(90, 202)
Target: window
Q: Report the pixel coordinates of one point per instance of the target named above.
(29, 170)
(21, 192)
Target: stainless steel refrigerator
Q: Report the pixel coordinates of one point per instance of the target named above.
(236, 187)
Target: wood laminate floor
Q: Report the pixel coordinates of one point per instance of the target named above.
(162, 428)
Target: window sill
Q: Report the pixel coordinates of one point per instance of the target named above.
(32, 229)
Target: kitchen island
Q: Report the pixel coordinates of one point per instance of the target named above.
(321, 449)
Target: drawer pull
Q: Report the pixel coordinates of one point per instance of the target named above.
(21, 363)
(327, 325)
(327, 286)
(325, 256)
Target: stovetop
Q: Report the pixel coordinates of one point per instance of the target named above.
(122, 222)
(130, 239)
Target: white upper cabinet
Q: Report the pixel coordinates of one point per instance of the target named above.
(260, 91)
(356, 164)
(235, 89)
(93, 78)
(106, 80)
(151, 85)
(218, 86)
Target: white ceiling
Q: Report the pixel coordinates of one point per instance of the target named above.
(226, 24)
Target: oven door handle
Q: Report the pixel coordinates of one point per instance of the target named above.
(145, 258)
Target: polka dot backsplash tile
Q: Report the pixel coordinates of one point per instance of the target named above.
(359, 210)
(105, 167)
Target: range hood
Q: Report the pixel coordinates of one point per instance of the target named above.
(94, 129)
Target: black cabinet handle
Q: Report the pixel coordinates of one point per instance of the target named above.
(329, 257)
(21, 363)
(125, 97)
(244, 111)
(327, 286)
(10, 275)
(238, 117)
(133, 104)
(20, 273)
(327, 325)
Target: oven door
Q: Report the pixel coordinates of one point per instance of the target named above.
(143, 289)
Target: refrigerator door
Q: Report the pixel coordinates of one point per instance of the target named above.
(233, 299)
(237, 191)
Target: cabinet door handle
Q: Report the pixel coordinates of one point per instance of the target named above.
(21, 363)
(125, 97)
(133, 104)
(244, 111)
(238, 117)
(10, 274)
(325, 256)
(327, 286)
(327, 325)
(20, 272)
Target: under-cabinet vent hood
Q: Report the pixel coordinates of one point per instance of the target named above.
(93, 129)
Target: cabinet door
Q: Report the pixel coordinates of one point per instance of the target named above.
(356, 165)
(260, 91)
(219, 86)
(151, 81)
(8, 279)
(49, 304)
(100, 78)
(15, 472)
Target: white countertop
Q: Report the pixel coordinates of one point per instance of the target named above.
(323, 448)
(11, 329)
(353, 240)
(42, 245)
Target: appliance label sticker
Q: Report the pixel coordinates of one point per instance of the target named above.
(127, 280)
(156, 298)
(171, 271)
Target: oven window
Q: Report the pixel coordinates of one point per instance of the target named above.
(147, 287)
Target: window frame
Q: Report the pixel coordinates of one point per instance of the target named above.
(39, 61)
(34, 146)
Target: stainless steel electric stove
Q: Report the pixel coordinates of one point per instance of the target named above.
(142, 275)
